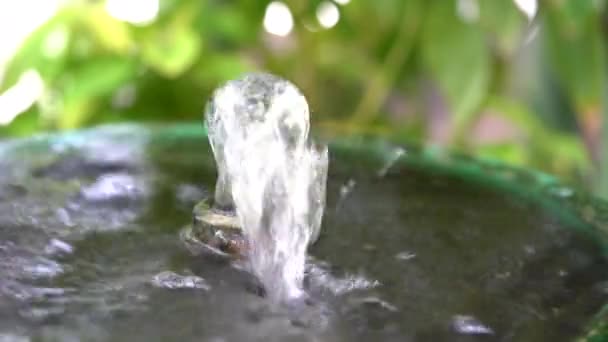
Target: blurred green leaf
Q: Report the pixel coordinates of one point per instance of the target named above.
(34, 52)
(504, 23)
(218, 68)
(87, 83)
(228, 24)
(574, 13)
(577, 51)
(112, 34)
(602, 182)
(561, 151)
(518, 114)
(172, 46)
(386, 74)
(515, 154)
(171, 50)
(24, 124)
(387, 12)
(455, 53)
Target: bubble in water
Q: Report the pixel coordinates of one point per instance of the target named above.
(111, 187)
(58, 247)
(469, 325)
(8, 337)
(320, 277)
(404, 256)
(171, 280)
(271, 172)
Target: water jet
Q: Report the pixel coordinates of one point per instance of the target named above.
(271, 180)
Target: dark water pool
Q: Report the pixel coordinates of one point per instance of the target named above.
(89, 251)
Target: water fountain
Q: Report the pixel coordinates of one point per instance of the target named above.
(271, 180)
(415, 247)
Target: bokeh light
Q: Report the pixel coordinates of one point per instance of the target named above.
(528, 7)
(278, 19)
(138, 12)
(328, 14)
(21, 96)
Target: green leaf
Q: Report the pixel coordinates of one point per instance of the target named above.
(89, 82)
(33, 54)
(110, 33)
(576, 51)
(519, 114)
(514, 154)
(552, 150)
(171, 50)
(228, 24)
(456, 55)
(504, 23)
(26, 123)
(218, 68)
(602, 182)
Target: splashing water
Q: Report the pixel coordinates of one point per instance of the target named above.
(271, 172)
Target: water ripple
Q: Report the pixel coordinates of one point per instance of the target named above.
(171, 280)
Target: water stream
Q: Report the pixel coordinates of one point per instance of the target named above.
(271, 172)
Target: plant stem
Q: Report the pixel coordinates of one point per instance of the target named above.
(603, 146)
(381, 83)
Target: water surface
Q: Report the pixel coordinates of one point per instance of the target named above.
(89, 251)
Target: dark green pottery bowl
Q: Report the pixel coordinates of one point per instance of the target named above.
(415, 246)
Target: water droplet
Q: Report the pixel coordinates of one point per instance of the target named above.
(190, 194)
(469, 325)
(41, 314)
(56, 246)
(112, 187)
(375, 301)
(404, 256)
(368, 247)
(530, 250)
(320, 277)
(171, 280)
(345, 190)
(394, 156)
(64, 216)
(562, 192)
(9, 337)
(44, 268)
(22, 292)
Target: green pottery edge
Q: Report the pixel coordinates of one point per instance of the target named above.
(580, 210)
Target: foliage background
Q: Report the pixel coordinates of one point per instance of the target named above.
(472, 75)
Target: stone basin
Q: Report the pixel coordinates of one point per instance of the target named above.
(414, 247)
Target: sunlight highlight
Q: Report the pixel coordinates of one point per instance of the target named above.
(137, 12)
(20, 18)
(468, 10)
(56, 43)
(278, 19)
(528, 7)
(328, 14)
(21, 96)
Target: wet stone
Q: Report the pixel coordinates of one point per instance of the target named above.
(214, 231)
